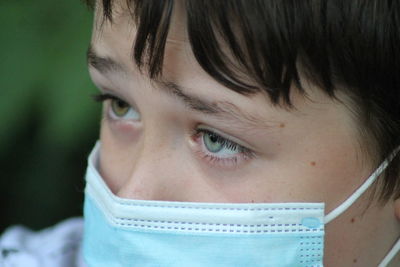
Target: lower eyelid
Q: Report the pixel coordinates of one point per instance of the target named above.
(219, 162)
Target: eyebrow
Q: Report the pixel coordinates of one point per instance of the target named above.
(102, 64)
(224, 109)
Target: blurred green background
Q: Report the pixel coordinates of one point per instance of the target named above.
(48, 122)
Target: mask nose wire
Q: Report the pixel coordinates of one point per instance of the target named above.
(356, 195)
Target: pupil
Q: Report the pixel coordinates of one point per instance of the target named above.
(213, 138)
(211, 143)
(120, 104)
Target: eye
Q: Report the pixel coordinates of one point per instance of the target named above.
(118, 108)
(220, 151)
(219, 145)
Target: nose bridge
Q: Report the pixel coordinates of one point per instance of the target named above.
(151, 170)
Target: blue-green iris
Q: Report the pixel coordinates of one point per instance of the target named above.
(212, 143)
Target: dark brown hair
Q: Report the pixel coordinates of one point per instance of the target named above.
(346, 45)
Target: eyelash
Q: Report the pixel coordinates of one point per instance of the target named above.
(243, 154)
(100, 98)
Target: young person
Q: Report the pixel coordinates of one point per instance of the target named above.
(245, 133)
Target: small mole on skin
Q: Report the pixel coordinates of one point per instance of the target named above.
(355, 260)
(282, 125)
(352, 220)
(252, 201)
(313, 163)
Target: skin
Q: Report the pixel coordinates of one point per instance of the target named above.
(307, 154)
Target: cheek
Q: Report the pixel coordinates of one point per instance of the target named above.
(116, 154)
(313, 165)
(331, 176)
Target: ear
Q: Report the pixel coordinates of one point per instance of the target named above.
(397, 208)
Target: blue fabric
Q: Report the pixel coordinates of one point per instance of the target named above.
(107, 245)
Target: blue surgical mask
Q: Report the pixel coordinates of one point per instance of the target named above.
(127, 232)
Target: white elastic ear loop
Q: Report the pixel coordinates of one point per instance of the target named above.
(395, 249)
(348, 202)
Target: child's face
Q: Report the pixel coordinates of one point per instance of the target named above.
(163, 148)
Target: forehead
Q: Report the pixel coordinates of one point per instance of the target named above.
(118, 36)
(116, 39)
